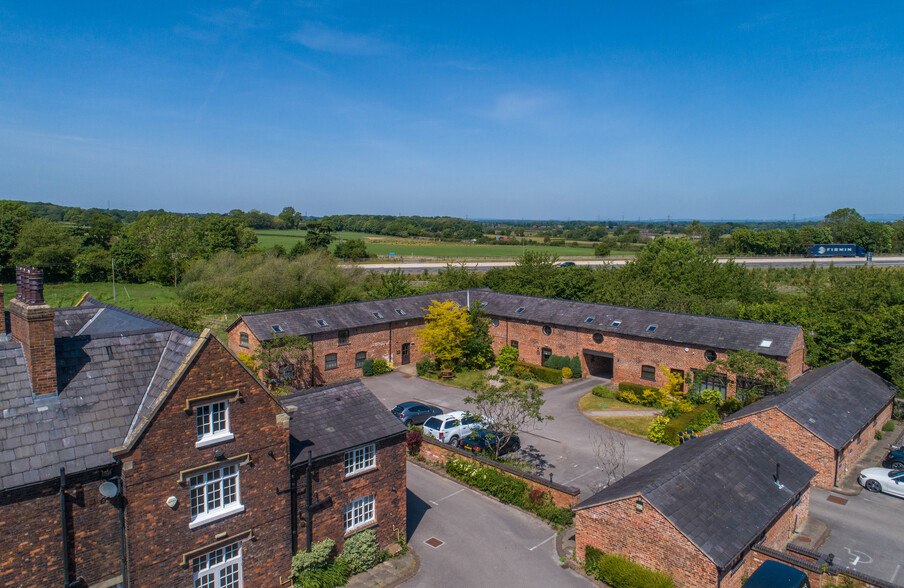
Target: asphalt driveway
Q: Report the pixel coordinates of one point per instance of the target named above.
(483, 543)
(562, 447)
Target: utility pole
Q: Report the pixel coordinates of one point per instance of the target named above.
(113, 265)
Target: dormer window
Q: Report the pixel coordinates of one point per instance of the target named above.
(615, 323)
(212, 421)
(377, 315)
(276, 329)
(400, 312)
(321, 323)
(766, 343)
(652, 328)
(519, 310)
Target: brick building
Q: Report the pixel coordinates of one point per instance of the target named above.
(625, 344)
(354, 450)
(134, 452)
(696, 512)
(826, 417)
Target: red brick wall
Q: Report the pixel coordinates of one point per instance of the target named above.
(32, 325)
(437, 453)
(809, 448)
(31, 542)
(330, 481)
(159, 535)
(647, 538)
(849, 455)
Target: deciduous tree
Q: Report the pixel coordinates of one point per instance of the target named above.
(510, 406)
(445, 332)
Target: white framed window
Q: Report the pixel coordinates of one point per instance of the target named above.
(221, 568)
(360, 459)
(214, 495)
(212, 422)
(360, 512)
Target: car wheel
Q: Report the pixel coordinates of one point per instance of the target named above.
(454, 441)
(516, 447)
(897, 465)
(873, 486)
(407, 422)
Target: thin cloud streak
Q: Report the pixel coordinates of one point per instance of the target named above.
(319, 37)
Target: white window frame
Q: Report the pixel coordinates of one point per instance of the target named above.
(360, 459)
(207, 495)
(210, 569)
(204, 419)
(360, 512)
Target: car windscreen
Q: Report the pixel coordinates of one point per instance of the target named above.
(433, 423)
(398, 409)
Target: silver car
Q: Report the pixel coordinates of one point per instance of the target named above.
(883, 480)
(452, 427)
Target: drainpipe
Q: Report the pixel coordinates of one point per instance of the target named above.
(293, 502)
(390, 341)
(309, 490)
(64, 526)
(122, 532)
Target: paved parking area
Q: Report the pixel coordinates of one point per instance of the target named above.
(478, 542)
(562, 447)
(865, 533)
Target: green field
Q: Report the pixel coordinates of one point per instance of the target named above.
(137, 297)
(382, 246)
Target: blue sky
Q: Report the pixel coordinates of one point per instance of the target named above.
(698, 109)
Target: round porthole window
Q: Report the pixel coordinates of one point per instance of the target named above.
(709, 355)
(495, 322)
(547, 330)
(597, 337)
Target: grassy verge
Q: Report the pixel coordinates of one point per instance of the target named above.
(638, 426)
(591, 402)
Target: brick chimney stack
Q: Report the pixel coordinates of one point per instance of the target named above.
(31, 323)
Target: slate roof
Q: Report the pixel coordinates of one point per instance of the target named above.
(718, 490)
(335, 418)
(673, 327)
(834, 402)
(108, 376)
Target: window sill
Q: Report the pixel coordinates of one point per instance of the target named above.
(346, 344)
(360, 473)
(213, 440)
(204, 519)
(361, 527)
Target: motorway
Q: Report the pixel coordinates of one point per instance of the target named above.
(412, 267)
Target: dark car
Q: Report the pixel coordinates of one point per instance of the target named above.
(895, 458)
(773, 574)
(415, 413)
(484, 440)
(567, 264)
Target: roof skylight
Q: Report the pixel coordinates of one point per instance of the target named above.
(616, 323)
(321, 323)
(377, 315)
(400, 312)
(652, 328)
(588, 320)
(766, 343)
(519, 310)
(276, 329)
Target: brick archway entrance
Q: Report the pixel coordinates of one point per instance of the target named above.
(599, 363)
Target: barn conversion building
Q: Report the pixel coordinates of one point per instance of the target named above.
(622, 343)
(827, 417)
(697, 512)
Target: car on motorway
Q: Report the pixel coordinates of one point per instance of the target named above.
(883, 480)
(895, 458)
(486, 440)
(452, 427)
(567, 264)
(415, 413)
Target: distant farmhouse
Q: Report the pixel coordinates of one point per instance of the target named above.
(622, 343)
(135, 452)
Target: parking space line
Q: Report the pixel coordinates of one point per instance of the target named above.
(895, 575)
(547, 540)
(449, 496)
(593, 471)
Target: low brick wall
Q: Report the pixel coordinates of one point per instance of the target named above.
(437, 453)
(819, 572)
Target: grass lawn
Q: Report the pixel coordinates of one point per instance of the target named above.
(638, 426)
(463, 379)
(591, 402)
(137, 297)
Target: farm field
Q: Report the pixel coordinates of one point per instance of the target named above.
(382, 246)
(137, 297)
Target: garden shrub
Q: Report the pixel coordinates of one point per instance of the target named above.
(332, 576)
(878, 435)
(541, 373)
(656, 397)
(425, 366)
(627, 396)
(413, 441)
(381, 366)
(684, 406)
(603, 392)
(367, 368)
(575, 366)
(730, 405)
(556, 362)
(710, 396)
(620, 572)
(696, 420)
(506, 359)
(361, 551)
(317, 559)
(566, 373)
(656, 432)
(522, 372)
(888, 426)
(632, 387)
(536, 495)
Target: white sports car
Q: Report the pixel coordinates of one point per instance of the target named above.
(883, 480)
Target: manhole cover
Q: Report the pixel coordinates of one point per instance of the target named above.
(406, 376)
(804, 539)
(433, 542)
(837, 499)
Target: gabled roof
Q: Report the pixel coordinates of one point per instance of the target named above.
(684, 329)
(833, 402)
(718, 490)
(335, 418)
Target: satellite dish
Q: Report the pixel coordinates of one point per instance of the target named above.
(109, 489)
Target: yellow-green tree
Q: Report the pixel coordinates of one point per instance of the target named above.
(445, 332)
